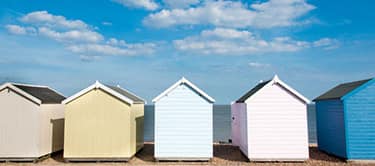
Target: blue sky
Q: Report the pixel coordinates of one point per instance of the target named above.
(224, 47)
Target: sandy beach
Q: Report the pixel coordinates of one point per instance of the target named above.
(224, 154)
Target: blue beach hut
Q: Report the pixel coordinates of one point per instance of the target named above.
(346, 120)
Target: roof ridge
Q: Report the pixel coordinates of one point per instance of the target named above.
(355, 81)
(98, 85)
(127, 90)
(29, 85)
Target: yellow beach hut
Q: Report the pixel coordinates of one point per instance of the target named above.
(103, 122)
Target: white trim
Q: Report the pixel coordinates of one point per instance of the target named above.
(276, 79)
(98, 85)
(80, 93)
(23, 93)
(30, 85)
(183, 80)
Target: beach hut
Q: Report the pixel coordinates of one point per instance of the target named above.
(103, 122)
(31, 121)
(183, 123)
(269, 123)
(346, 120)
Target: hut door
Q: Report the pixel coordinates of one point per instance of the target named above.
(235, 124)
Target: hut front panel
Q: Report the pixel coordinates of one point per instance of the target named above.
(183, 126)
(277, 125)
(360, 121)
(51, 127)
(19, 122)
(330, 127)
(97, 125)
(239, 126)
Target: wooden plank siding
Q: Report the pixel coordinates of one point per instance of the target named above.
(137, 126)
(331, 127)
(239, 127)
(19, 121)
(277, 125)
(29, 130)
(98, 126)
(222, 123)
(183, 125)
(360, 121)
(51, 128)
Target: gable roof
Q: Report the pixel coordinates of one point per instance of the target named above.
(188, 83)
(275, 80)
(124, 92)
(36, 93)
(117, 92)
(341, 90)
(252, 91)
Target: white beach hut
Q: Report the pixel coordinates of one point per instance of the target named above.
(31, 121)
(183, 123)
(270, 123)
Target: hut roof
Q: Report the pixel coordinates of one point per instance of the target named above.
(37, 93)
(183, 80)
(274, 80)
(341, 90)
(117, 92)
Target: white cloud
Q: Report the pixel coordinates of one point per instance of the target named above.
(233, 14)
(71, 35)
(327, 43)
(279, 13)
(46, 19)
(59, 28)
(258, 65)
(115, 42)
(180, 3)
(15, 29)
(106, 49)
(19, 30)
(146, 4)
(77, 36)
(223, 41)
(226, 33)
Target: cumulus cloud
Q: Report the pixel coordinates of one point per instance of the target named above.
(180, 3)
(105, 49)
(146, 4)
(77, 36)
(56, 27)
(279, 13)
(233, 14)
(46, 19)
(224, 41)
(71, 36)
(115, 42)
(327, 43)
(19, 30)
